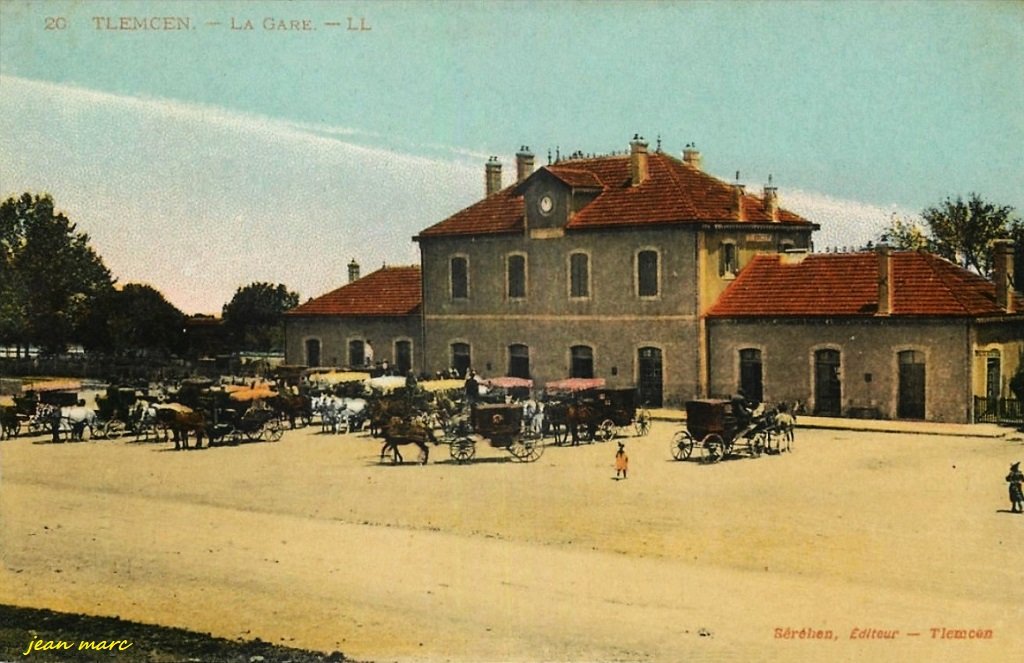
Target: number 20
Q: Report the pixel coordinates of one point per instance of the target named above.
(56, 23)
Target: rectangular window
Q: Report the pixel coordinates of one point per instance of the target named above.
(579, 275)
(516, 277)
(460, 277)
(727, 260)
(647, 273)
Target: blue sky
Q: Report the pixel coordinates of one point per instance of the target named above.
(201, 160)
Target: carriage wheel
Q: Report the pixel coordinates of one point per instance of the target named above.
(273, 430)
(715, 447)
(606, 430)
(642, 425)
(682, 445)
(112, 430)
(462, 449)
(255, 434)
(526, 449)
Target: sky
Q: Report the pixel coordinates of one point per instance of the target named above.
(203, 159)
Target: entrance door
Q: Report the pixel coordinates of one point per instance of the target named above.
(750, 375)
(828, 391)
(993, 383)
(649, 369)
(910, 400)
(312, 352)
(403, 356)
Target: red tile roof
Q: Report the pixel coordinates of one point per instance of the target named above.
(674, 192)
(846, 285)
(390, 291)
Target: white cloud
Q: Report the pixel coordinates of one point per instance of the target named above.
(198, 200)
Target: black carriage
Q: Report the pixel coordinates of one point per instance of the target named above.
(601, 412)
(120, 412)
(713, 426)
(240, 415)
(501, 424)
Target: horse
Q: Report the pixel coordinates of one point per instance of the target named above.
(785, 422)
(9, 423)
(182, 420)
(292, 407)
(418, 430)
(74, 419)
(582, 413)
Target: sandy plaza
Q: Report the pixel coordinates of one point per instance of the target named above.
(855, 545)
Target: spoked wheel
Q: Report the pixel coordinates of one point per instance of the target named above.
(527, 449)
(642, 425)
(112, 430)
(606, 430)
(715, 447)
(273, 430)
(462, 449)
(255, 434)
(682, 445)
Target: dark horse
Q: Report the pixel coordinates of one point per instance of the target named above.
(417, 430)
(292, 407)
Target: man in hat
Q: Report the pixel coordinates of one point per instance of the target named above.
(1016, 479)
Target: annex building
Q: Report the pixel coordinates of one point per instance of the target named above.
(642, 269)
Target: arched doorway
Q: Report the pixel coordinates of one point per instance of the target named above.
(312, 352)
(828, 390)
(751, 377)
(649, 369)
(910, 398)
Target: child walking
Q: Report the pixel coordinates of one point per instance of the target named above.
(621, 461)
(1015, 478)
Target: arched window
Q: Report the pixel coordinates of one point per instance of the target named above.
(728, 263)
(403, 356)
(356, 353)
(519, 361)
(582, 361)
(460, 357)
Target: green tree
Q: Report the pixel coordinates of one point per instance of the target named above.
(905, 234)
(962, 232)
(50, 275)
(254, 317)
(134, 319)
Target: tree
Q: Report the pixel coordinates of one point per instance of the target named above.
(962, 232)
(254, 317)
(49, 274)
(135, 319)
(905, 234)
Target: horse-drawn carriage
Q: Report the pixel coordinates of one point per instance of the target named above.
(714, 426)
(221, 415)
(121, 412)
(600, 412)
(500, 424)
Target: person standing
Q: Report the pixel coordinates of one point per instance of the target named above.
(472, 388)
(621, 462)
(1016, 479)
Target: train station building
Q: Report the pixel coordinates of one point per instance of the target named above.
(638, 268)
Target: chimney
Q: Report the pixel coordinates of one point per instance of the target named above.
(736, 206)
(492, 176)
(638, 160)
(353, 270)
(771, 200)
(885, 282)
(524, 163)
(1002, 274)
(691, 156)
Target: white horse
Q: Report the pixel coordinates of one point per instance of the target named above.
(74, 419)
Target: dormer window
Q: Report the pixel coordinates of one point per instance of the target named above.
(728, 264)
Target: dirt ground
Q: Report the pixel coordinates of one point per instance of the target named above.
(310, 542)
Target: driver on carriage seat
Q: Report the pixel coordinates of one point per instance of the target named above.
(741, 410)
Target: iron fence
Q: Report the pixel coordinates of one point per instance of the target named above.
(998, 410)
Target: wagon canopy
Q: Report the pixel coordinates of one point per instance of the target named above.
(53, 385)
(338, 377)
(252, 393)
(435, 386)
(509, 383)
(574, 384)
